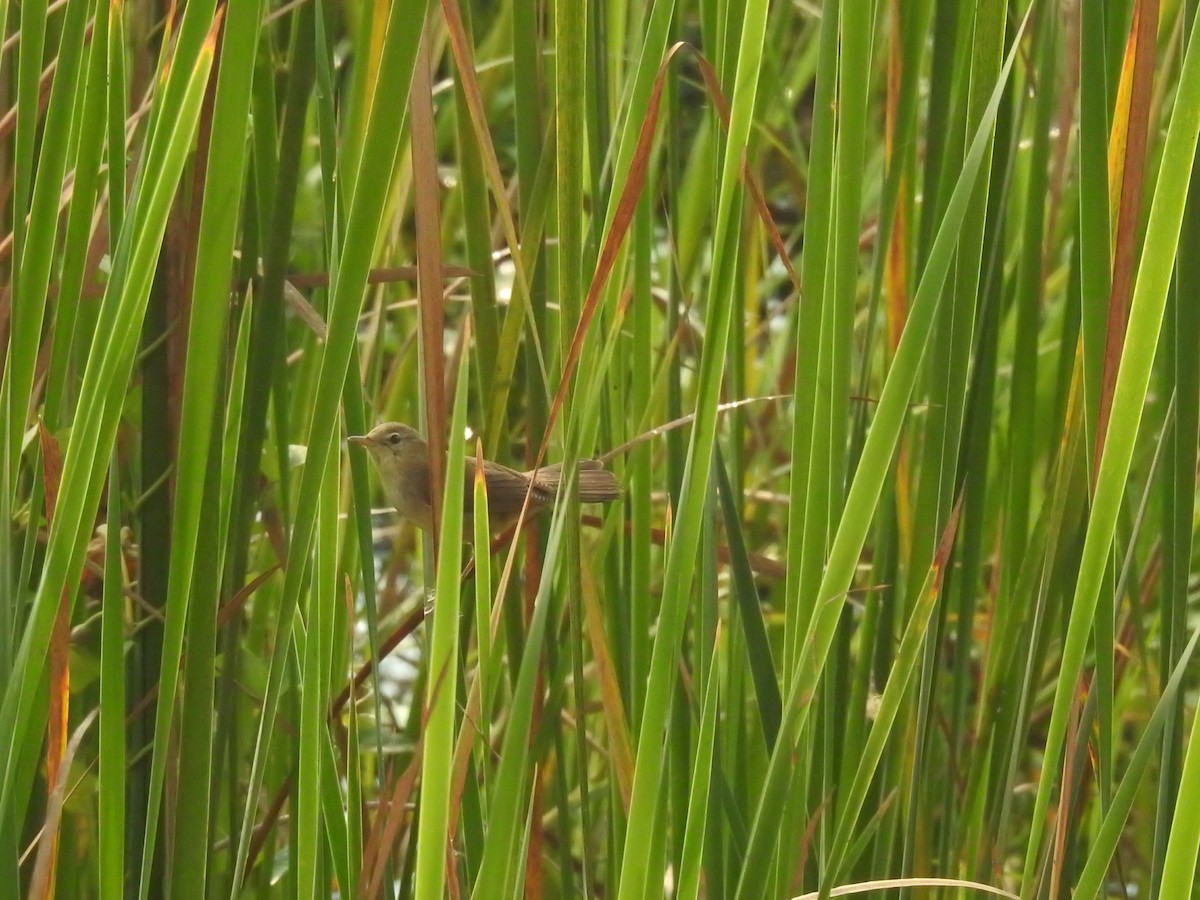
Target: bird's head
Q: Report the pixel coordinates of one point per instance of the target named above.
(392, 440)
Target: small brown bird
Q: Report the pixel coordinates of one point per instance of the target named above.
(402, 458)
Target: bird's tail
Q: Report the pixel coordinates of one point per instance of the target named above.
(596, 483)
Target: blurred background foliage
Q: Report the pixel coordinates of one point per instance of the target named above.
(882, 311)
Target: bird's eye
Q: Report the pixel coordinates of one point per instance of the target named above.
(395, 438)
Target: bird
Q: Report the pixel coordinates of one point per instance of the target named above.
(401, 457)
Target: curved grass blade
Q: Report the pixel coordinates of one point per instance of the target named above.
(363, 225)
(507, 833)
(1137, 358)
(862, 498)
(636, 875)
(32, 275)
(214, 251)
(1091, 879)
(893, 696)
(102, 399)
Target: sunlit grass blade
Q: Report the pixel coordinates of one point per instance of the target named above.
(819, 225)
(36, 245)
(363, 224)
(861, 501)
(1149, 297)
(507, 836)
(218, 229)
(101, 399)
(1179, 866)
(636, 874)
(315, 648)
(30, 49)
(117, 97)
(698, 797)
(441, 700)
(43, 216)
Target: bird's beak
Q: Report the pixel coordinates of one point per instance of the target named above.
(361, 440)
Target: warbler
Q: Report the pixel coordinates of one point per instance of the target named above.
(402, 457)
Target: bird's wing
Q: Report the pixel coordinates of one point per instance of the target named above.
(596, 483)
(506, 489)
